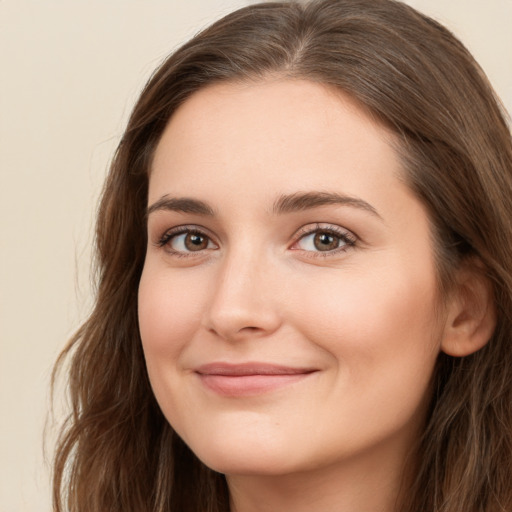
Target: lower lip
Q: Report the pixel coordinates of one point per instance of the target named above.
(249, 385)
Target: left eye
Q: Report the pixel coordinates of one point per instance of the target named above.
(323, 241)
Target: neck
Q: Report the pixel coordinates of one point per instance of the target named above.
(368, 484)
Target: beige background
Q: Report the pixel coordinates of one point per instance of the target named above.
(70, 71)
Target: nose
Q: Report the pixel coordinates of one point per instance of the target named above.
(244, 301)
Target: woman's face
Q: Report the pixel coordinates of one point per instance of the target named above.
(288, 305)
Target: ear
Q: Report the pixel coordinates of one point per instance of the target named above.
(471, 312)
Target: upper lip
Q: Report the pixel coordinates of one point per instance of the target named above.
(250, 368)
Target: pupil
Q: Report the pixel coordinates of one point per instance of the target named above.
(195, 242)
(325, 242)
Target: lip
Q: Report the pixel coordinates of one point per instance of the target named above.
(249, 379)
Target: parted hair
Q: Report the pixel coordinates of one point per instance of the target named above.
(116, 450)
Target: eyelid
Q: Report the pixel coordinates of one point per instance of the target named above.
(346, 235)
(164, 239)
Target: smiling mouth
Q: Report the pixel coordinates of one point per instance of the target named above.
(249, 379)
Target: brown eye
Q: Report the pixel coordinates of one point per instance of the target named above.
(187, 242)
(195, 242)
(326, 241)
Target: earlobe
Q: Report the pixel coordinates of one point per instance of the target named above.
(471, 313)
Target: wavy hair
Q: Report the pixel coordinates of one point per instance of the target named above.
(116, 450)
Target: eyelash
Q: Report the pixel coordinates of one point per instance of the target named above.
(346, 237)
(166, 238)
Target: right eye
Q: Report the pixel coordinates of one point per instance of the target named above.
(183, 241)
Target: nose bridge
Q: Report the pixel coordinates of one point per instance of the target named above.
(242, 301)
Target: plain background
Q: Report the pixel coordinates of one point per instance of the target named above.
(70, 72)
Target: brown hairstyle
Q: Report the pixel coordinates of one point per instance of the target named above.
(117, 452)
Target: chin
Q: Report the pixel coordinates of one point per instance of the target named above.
(247, 457)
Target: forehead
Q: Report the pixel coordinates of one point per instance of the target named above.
(257, 140)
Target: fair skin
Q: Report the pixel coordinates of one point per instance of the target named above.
(288, 305)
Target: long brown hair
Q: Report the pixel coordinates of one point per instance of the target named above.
(116, 451)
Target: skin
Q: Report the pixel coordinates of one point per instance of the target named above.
(365, 316)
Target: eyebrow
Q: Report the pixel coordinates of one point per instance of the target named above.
(299, 201)
(182, 205)
(305, 201)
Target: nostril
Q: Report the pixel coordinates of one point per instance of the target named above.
(241, 319)
(235, 333)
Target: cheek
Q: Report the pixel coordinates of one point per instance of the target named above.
(376, 324)
(169, 317)
(380, 331)
(169, 314)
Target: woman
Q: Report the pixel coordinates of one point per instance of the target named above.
(305, 285)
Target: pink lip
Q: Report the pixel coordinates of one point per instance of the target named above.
(249, 378)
